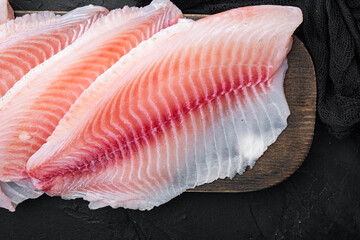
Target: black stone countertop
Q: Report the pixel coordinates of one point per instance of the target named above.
(320, 201)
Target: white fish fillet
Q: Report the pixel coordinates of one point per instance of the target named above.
(197, 102)
(26, 50)
(28, 22)
(11, 194)
(47, 92)
(23, 49)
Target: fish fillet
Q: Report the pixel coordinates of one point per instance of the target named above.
(11, 194)
(21, 49)
(6, 12)
(197, 102)
(20, 54)
(26, 23)
(31, 110)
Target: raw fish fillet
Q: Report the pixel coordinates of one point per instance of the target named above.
(20, 54)
(11, 194)
(23, 48)
(6, 12)
(31, 110)
(26, 23)
(197, 102)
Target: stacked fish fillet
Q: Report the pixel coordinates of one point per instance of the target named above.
(130, 108)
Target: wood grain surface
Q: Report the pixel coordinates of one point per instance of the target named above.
(285, 156)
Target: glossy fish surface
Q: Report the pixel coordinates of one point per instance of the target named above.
(25, 43)
(34, 106)
(26, 50)
(196, 102)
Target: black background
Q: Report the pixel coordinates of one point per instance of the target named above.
(320, 201)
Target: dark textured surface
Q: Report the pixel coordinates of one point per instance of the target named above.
(320, 201)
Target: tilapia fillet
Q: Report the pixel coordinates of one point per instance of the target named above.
(21, 53)
(34, 106)
(22, 48)
(197, 102)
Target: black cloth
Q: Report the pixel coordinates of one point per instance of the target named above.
(330, 32)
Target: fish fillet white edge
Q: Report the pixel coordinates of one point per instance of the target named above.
(259, 129)
(13, 193)
(27, 22)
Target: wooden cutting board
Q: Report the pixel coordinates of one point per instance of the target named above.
(285, 156)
